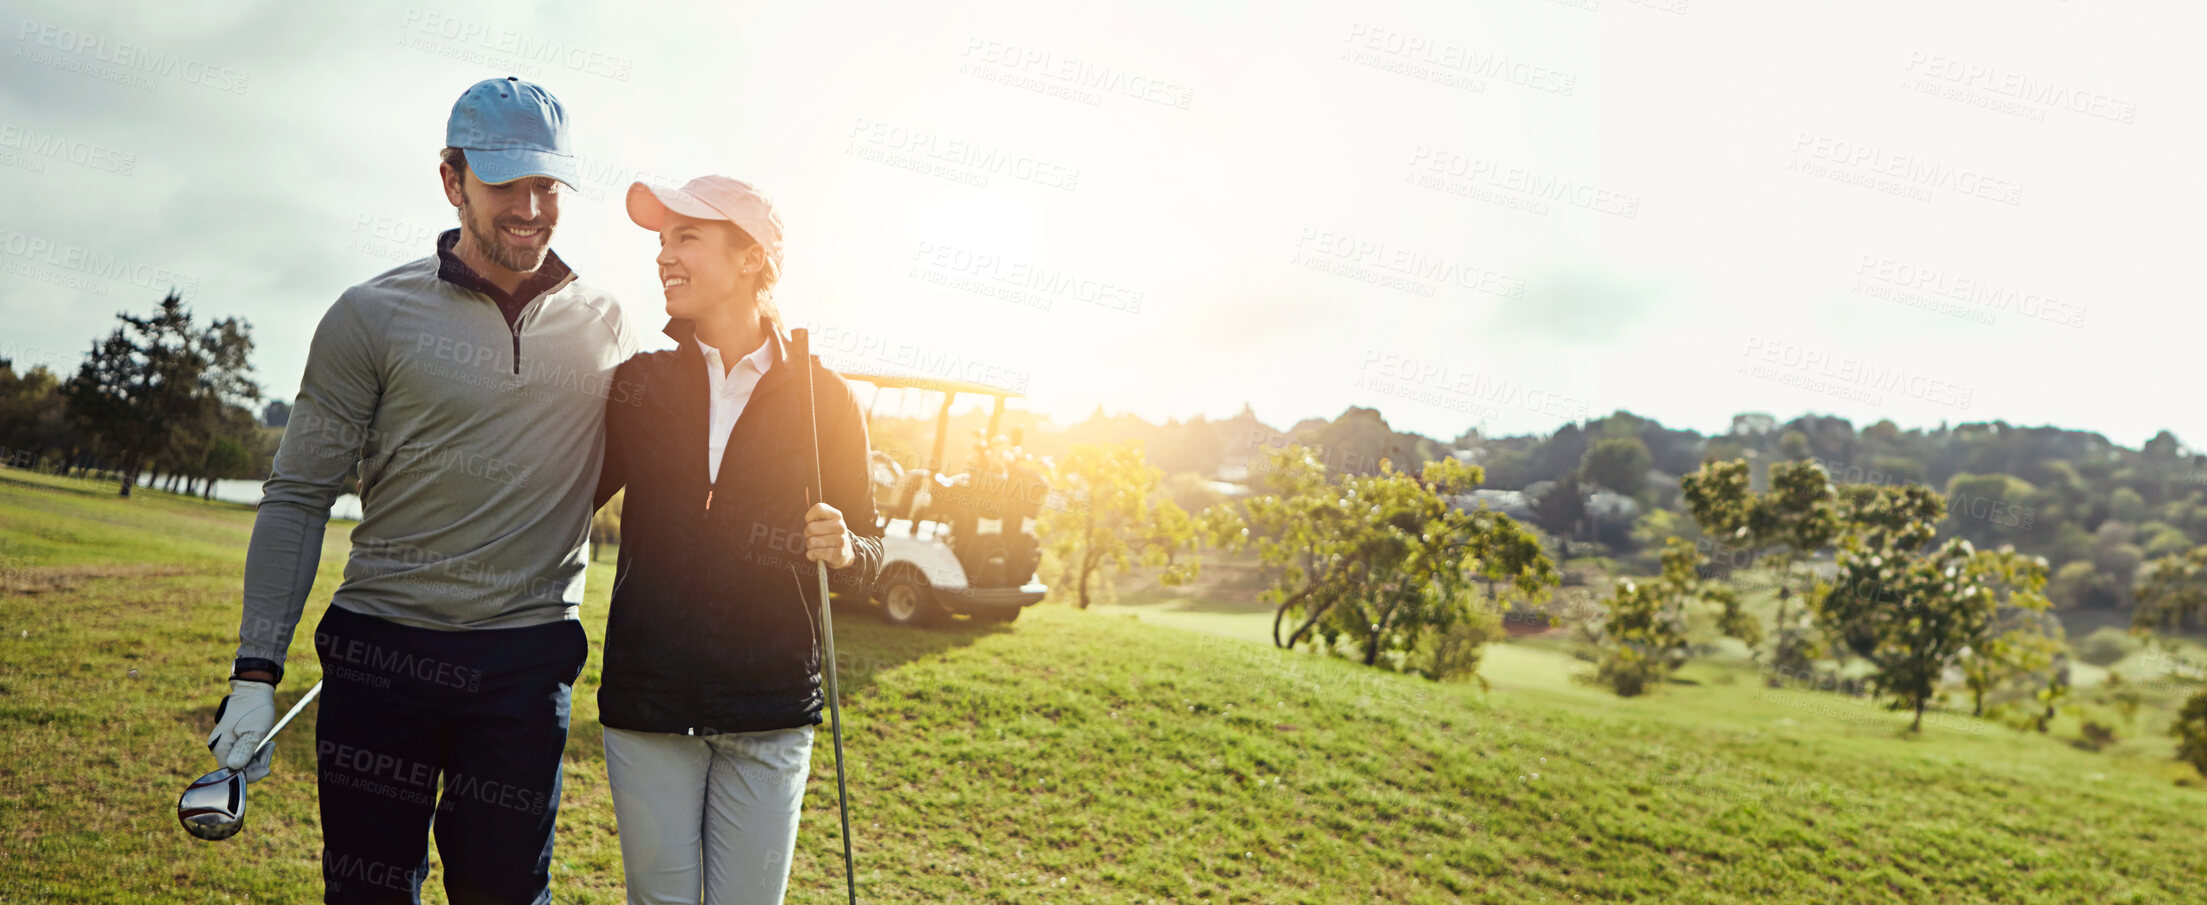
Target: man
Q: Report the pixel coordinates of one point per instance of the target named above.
(469, 389)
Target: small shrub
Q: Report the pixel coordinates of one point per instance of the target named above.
(1453, 654)
(2191, 732)
(2097, 736)
(2105, 647)
(1628, 670)
(605, 524)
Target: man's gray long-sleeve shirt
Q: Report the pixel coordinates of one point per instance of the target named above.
(478, 446)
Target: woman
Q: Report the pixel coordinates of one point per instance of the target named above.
(712, 669)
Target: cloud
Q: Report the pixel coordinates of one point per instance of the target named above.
(1580, 305)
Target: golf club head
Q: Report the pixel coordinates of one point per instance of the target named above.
(213, 806)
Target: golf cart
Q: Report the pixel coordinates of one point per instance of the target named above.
(961, 543)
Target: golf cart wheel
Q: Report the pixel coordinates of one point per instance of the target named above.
(907, 600)
(998, 614)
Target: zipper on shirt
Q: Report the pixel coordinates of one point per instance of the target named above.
(518, 320)
(708, 502)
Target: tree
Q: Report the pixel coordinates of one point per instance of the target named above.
(147, 386)
(1618, 463)
(1646, 634)
(1877, 517)
(2055, 691)
(1798, 516)
(1793, 445)
(1915, 613)
(605, 524)
(1119, 515)
(1719, 498)
(2190, 730)
(33, 413)
(1561, 509)
(1382, 559)
(2019, 643)
(2173, 594)
(1989, 509)
(2126, 505)
(226, 458)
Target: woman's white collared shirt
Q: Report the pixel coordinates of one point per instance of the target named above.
(728, 391)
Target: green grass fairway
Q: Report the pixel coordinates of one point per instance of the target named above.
(1091, 757)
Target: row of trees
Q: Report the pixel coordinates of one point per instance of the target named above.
(1387, 566)
(2096, 511)
(1914, 610)
(1382, 567)
(1390, 569)
(163, 396)
(1915, 607)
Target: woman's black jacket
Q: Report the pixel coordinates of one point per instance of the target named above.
(713, 620)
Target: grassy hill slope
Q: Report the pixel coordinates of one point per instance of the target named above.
(1081, 757)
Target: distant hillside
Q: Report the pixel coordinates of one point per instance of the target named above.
(2098, 511)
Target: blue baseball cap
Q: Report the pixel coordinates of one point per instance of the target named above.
(511, 130)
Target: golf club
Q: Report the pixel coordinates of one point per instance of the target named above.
(803, 343)
(213, 806)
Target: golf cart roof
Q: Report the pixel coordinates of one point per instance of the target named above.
(939, 384)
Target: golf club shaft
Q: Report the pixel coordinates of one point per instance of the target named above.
(835, 719)
(803, 341)
(270, 738)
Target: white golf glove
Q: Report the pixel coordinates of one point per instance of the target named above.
(240, 723)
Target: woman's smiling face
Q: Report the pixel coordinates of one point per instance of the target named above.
(704, 264)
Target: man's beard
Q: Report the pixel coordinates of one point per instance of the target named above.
(494, 246)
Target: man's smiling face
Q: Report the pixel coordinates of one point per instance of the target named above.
(510, 223)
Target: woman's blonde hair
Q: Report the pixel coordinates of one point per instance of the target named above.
(768, 276)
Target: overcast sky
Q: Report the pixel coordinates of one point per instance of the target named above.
(1510, 214)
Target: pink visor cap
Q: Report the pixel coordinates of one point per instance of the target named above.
(710, 198)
